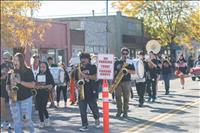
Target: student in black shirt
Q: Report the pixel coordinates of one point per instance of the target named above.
(125, 85)
(88, 73)
(22, 108)
(152, 77)
(166, 73)
(44, 83)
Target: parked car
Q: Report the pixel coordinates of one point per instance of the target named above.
(195, 71)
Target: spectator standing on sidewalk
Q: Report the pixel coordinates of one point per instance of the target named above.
(63, 87)
(51, 91)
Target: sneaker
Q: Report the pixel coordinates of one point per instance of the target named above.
(11, 126)
(51, 106)
(149, 99)
(57, 104)
(118, 115)
(140, 105)
(153, 99)
(72, 103)
(97, 123)
(5, 125)
(83, 128)
(41, 125)
(47, 122)
(167, 92)
(125, 115)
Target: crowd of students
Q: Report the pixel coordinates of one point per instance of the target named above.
(38, 77)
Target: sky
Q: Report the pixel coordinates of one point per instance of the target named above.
(73, 8)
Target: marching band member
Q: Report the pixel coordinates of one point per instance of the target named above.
(166, 74)
(35, 65)
(63, 87)
(152, 77)
(124, 85)
(89, 74)
(21, 109)
(141, 83)
(44, 83)
(5, 67)
(181, 66)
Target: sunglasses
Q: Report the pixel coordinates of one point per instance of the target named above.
(124, 53)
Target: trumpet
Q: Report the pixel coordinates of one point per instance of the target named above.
(81, 83)
(118, 78)
(13, 88)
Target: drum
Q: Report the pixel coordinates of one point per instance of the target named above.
(139, 68)
(58, 75)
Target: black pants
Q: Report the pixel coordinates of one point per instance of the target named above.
(64, 90)
(151, 88)
(83, 110)
(140, 87)
(42, 99)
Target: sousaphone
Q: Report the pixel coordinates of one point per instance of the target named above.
(153, 46)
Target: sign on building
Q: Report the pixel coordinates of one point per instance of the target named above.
(105, 66)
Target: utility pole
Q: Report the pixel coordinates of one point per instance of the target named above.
(107, 45)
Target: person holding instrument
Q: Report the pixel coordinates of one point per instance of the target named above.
(44, 82)
(22, 79)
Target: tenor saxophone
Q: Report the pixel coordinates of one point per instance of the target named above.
(13, 88)
(118, 78)
(81, 83)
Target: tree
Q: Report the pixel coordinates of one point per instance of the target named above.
(17, 24)
(163, 20)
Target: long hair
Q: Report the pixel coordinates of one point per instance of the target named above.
(47, 67)
(21, 61)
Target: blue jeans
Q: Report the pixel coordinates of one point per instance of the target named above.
(21, 114)
(166, 78)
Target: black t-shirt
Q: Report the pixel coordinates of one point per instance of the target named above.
(153, 71)
(49, 81)
(91, 86)
(166, 69)
(118, 66)
(26, 75)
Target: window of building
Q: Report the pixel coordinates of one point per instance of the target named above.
(131, 26)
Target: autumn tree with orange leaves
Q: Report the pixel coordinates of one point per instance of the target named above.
(171, 22)
(17, 24)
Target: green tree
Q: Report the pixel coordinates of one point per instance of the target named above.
(163, 20)
(17, 24)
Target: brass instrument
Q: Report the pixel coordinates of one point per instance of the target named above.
(153, 46)
(81, 83)
(118, 78)
(13, 88)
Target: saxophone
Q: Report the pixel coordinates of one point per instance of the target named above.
(81, 83)
(13, 88)
(118, 78)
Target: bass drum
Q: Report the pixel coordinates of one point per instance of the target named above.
(139, 69)
(58, 75)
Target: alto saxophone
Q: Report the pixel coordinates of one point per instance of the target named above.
(81, 83)
(13, 88)
(118, 78)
